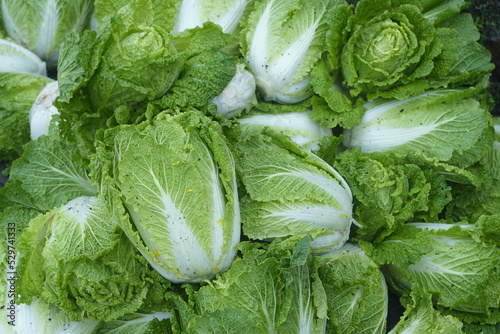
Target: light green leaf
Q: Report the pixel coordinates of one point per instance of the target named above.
(52, 172)
(138, 323)
(436, 11)
(274, 290)
(356, 291)
(226, 321)
(81, 228)
(138, 62)
(163, 13)
(298, 125)
(332, 105)
(130, 62)
(389, 190)
(78, 259)
(454, 268)
(420, 316)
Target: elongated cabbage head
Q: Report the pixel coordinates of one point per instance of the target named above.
(177, 180)
(291, 192)
(282, 41)
(431, 123)
(41, 25)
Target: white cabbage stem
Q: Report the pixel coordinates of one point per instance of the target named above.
(299, 125)
(42, 110)
(16, 59)
(238, 96)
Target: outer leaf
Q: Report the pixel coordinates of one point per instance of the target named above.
(255, 289)
(332, 106)
(138, 323)
(13, 194)
(389, 190)
(203, 78)
(81, 228)
(299, 125)
(226, 321)
(483, 308)
(421, 317)
(454, 270)
(438, 11)
(89, 270)
(355, 289)
(272, 171)
(470, 202)
(53, 172)
(307, 314)
(275, 290)
(163, 11)
(272, 219)
(115, 285)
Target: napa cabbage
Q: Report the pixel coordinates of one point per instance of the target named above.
(291, 192)
(186, 221)
(282, 40)
(42, 25)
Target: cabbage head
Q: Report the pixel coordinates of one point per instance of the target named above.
(400, 48)
(387, 46)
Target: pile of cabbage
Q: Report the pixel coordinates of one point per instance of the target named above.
(267, 166)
